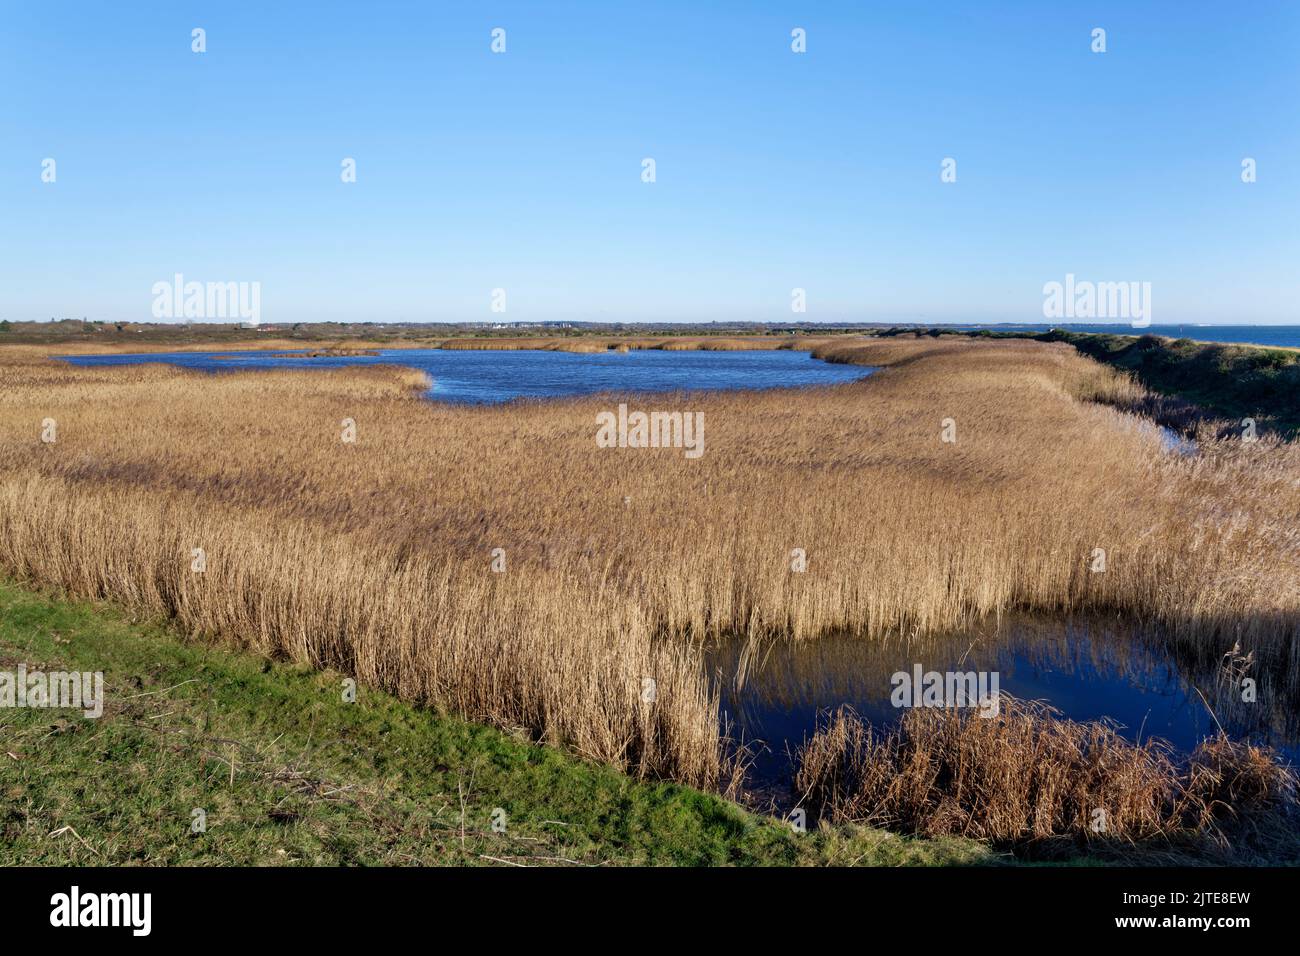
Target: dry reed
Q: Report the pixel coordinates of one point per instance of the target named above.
(375, 557)
(1028, 776)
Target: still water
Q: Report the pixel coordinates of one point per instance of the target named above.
(488, 376)
(775, 695)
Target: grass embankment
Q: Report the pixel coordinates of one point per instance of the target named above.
(1194, 386)
(1231, 381)
(287, 773)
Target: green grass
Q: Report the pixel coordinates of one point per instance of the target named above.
(288, 773)
(1232, 381)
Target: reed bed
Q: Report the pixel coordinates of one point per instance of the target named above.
(1027, 776)
(601, 343)
(376, 557)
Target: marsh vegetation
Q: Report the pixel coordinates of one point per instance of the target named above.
(375, 557)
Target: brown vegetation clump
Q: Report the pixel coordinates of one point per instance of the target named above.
(1026, 776)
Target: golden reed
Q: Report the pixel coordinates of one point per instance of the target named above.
(376, 557)
(1027, 777)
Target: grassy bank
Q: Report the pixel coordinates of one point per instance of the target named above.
(1230, 381)
(287, 773)
(1217, 384)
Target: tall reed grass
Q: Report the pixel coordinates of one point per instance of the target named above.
(376, 557)
(1028, 776)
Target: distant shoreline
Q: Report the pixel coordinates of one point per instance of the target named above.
(317, 335)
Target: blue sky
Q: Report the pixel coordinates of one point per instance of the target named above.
(774, 170)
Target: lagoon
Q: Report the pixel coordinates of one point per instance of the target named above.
(490, 376)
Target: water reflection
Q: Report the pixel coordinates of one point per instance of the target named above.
(773, 693)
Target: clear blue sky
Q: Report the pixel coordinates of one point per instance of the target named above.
(774, 170)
